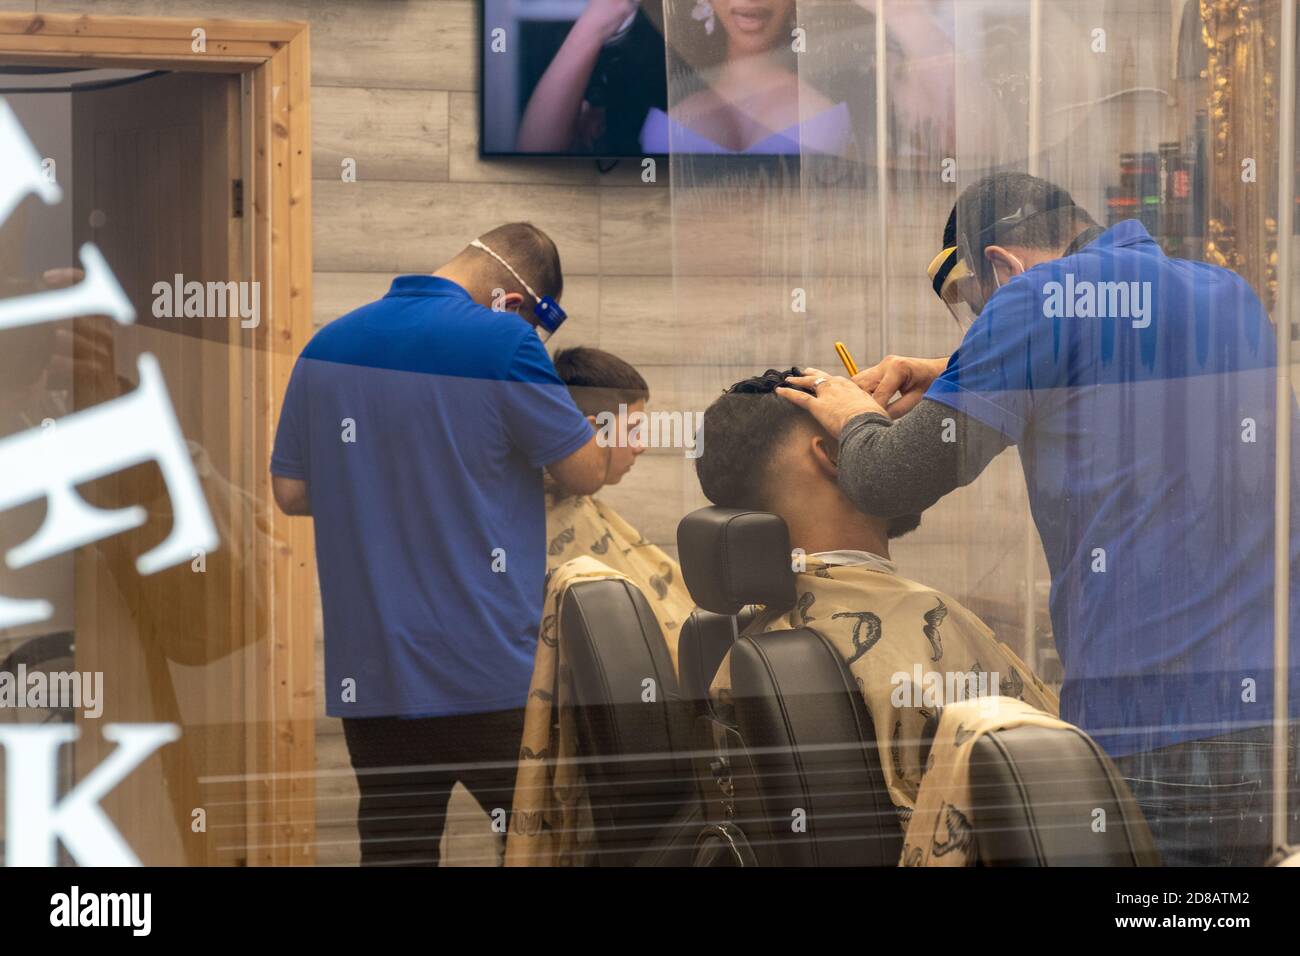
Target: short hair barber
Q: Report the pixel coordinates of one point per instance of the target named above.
(414, 431)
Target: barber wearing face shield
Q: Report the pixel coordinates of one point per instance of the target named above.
(414, 432)
(1139, 393)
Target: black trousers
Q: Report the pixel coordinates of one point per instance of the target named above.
(406, 769)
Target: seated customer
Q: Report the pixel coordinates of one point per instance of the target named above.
(609, 390)
(909, 647)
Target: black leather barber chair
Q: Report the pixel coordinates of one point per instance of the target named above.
(790, 774)
(705, 640)
(633, 727)
(794, 778)
(1045, 797)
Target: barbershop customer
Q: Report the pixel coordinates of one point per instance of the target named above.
(1139, 392)
(415, 431)
(613, 396)
(899, 638)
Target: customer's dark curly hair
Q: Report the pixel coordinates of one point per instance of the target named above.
(741, 430)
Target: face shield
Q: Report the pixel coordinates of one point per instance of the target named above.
(953, 274)
(956, 283)
(549, 316)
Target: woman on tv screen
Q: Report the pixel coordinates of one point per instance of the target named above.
(734, 78)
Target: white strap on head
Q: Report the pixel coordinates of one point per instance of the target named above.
(477, 244)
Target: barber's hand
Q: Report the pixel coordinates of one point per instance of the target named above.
(910, 377)
(837, 399)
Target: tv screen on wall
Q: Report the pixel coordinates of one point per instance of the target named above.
(596, 78)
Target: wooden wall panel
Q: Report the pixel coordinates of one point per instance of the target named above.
(338, 293)
(636, 231)
(391, 134)
(412, 227)
(424, 45)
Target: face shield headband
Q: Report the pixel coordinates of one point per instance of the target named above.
(952, 272)
(955, 284)
(547, 311)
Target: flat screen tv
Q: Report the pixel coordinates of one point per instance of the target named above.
(593, 77)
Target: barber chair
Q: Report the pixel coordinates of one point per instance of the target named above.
(704, 641)
(633, 727)
(790, 774)
(794, 778)
(1048, 797)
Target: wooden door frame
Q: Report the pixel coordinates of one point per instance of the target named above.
(274, 58)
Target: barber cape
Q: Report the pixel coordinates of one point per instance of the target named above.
(939, 833)
(580, 525)
(911, 649)
(550, 823)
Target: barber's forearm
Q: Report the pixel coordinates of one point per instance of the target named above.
(870, 470)
(585, 471)
(291, 495)
(891, 469)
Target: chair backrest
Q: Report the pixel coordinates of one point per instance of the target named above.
(1042, 796)
(797, 770)
(633, 728)
(704, 641)
(811, 791)
(732, 557)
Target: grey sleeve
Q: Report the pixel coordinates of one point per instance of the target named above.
(891, 468)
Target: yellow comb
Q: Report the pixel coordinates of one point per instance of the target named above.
(847, 359)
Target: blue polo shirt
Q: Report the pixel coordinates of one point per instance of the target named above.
(421, 424)
(1145, 422)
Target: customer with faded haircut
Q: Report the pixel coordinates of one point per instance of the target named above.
(764, 453)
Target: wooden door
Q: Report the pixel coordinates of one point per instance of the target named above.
(154, 186)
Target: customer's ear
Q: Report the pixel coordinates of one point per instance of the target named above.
(826, 454)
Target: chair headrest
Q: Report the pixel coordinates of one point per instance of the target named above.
(732, 557)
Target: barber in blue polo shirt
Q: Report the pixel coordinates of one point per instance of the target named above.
(1139, 392)
(414, 431)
